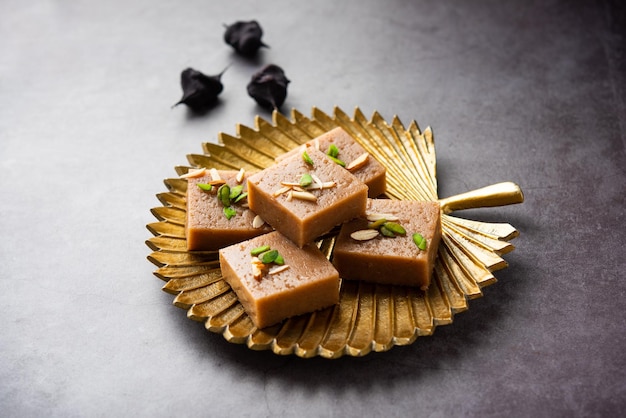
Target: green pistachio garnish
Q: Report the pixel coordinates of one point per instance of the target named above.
(235, 191)
(337, 160)
(306, 180)
(387, 232)
(386, 228)
(333, 151)
(377, 224)
(394, 227)
(259, 250)
(205, 186)
(420, 241)
(223, 194)
(229, 212)
(240, 197)
(269, 257)
(306, 158)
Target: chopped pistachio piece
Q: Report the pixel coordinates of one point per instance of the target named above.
(307, 159)
(240, 197)
(223, 194)
(235, 191)
(259, 250)
(387, 232)
(205, 186)
(229, 212)
(420, 241)
(394, 227)
(269, 257)
(333, 151)
(337, 160)
(306, 180)
(377, 224)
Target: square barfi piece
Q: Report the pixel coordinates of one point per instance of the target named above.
(340, 144)
(304, 200)
(363, 254)
(303, 281)
(207, 226)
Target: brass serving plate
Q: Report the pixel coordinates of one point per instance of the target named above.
(368, 317)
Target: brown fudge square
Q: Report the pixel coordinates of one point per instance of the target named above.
(372, 173)
(207, 228)
(302, 220)
(386, 260)
(308, 282)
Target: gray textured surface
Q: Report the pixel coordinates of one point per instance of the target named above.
(532, 92)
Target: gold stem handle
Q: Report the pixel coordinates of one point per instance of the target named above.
(499, 194)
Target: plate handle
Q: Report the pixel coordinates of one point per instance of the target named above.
(500, 194)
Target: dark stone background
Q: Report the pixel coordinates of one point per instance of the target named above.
(527, 91)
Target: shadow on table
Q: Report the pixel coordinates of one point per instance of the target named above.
(470, 341)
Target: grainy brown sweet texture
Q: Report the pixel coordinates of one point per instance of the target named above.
(207, 228)
(300, 220)
(373, 173)
(396, 261)
(309, 283)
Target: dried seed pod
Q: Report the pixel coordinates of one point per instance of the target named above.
(269, 87)
(244, 37)
(199, 90)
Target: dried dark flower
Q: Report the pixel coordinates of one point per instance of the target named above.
(245, 37)
(269, 87)
(199, 90)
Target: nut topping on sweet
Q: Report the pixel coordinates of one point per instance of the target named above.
(193, 173)
(364, 234)
(358, 162)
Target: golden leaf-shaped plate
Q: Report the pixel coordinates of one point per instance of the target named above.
(368, 317)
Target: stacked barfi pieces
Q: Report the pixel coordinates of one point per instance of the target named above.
(329, 182)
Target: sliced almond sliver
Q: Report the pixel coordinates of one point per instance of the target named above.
(317, 181)
(364, 234)
(215, 176)
(257, 222)
(193, 173)
(324, 185)
(282, 190)
(240, 175)
(373, 217)
(358, 162)
(278, 269)
(304, 196)
(290, 183)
